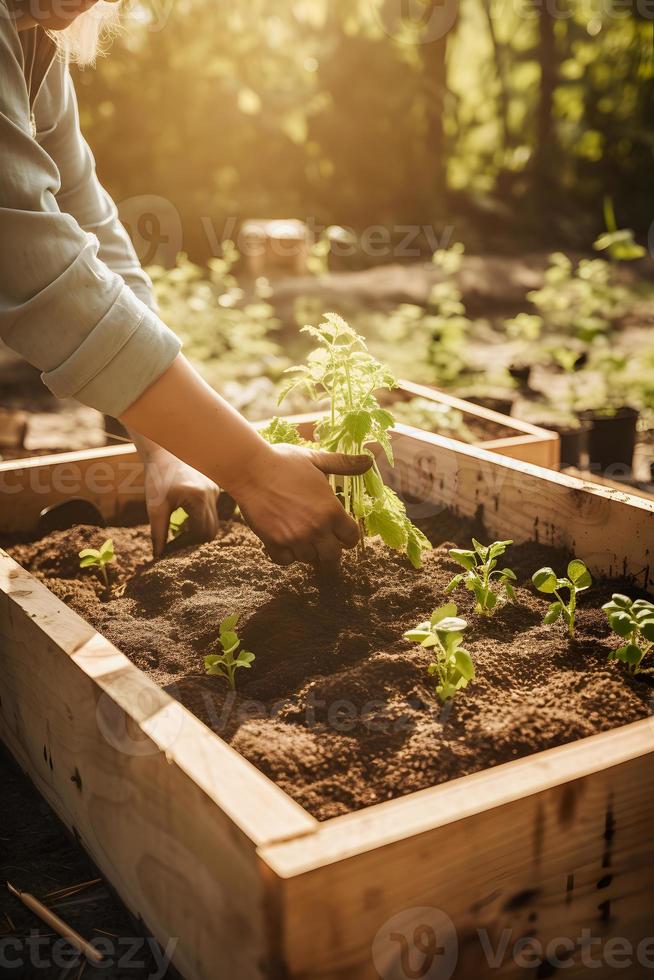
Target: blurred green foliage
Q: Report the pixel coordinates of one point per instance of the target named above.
(225, 333)
(519, 117)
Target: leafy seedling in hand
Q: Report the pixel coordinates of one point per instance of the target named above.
(578, 580)
(482, 576)
(634, 622)
(342, 369)
(442, 633)
(282, 431)
(226, 664)
(92, 557)
(178, 519)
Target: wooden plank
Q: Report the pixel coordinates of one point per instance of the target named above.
(576, 856)
(479, 411)
(110, 477)
(170, 814)
(612, 531)
(530, 443)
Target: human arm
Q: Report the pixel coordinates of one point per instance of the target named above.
(281, 490)
(169, 482)
(61, 307)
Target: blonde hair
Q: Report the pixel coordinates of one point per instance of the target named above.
(89, 34)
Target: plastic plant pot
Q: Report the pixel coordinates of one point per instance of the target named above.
(573, 443)
(611, 439)
(521, 373)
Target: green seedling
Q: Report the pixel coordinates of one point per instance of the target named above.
(634, 622)
(442, 633)
(92, 557)
(342, 369)
(282, 431)
(178, 519)
(578, 580)
(482, 576)
(226, 664)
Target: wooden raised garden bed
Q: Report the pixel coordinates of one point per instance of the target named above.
(206, 849)
(491, 430)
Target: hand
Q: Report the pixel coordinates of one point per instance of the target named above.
(170, 484)
(288, 503)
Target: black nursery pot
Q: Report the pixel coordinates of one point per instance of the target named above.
(521, 373)
(611, 440)
(573, 443)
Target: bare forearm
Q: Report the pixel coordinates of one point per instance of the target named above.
(185, 416)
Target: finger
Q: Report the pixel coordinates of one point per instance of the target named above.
(202, 519)
(226, 506)
(329, 550)
(306, 553)
(280, 556)
(341, 464)
(346, 529)
(159, 521)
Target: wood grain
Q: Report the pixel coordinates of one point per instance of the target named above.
(169, 813)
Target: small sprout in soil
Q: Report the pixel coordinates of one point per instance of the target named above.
(178, 519)
(226, 664)
(634, 622)
(342, 369)
(442, 633)
(547, 581)
(91, 557)
(482, 575)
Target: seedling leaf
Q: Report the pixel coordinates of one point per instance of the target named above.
(545, 580)
(482, 577)
(452, 666)
(633, 621)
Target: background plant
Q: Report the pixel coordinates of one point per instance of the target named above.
(342, 369)
(99, 558)
(232, 658)
(482, 576)
(442, 634)
(578, 580)
(226, 334)
(515, 122)
(633, 621)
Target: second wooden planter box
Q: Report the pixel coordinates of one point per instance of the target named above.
(207, 851)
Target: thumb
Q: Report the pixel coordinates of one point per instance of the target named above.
(341, 464)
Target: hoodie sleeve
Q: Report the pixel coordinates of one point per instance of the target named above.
(65, 261)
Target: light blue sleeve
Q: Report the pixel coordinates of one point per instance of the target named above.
(63, 307)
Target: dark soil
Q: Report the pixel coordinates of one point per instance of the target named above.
(338, 708)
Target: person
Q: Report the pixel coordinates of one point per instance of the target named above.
(75, 303)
